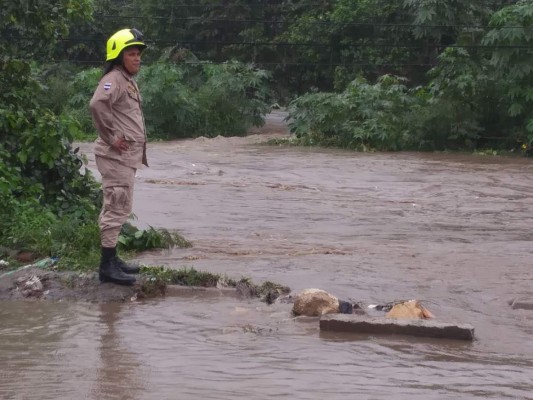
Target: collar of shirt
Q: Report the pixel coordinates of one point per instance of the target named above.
(124, 73)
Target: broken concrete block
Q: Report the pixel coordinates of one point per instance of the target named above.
(314, 303)
(414, 327)
(523, 304)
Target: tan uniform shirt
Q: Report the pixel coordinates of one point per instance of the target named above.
(117, 113)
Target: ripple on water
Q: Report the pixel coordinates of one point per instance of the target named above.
(224, 348)
(452, 230)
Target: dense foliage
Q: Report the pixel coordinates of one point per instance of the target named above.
(305, 44)
(365, 116)
(38, 161)
(474, 97)
(512, 62)
(42, 182)
(458, 62)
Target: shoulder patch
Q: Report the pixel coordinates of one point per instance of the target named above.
(107, 85)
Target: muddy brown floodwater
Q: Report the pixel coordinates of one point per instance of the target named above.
(452, 230)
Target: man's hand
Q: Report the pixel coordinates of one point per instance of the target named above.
(120, 145)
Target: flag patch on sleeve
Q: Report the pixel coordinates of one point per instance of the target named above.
(107, 85)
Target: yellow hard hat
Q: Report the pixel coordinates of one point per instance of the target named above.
(122, 39)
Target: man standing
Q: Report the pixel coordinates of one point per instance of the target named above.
(121, 146)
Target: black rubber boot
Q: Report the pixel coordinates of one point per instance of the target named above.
(110, 269)
(127, 268)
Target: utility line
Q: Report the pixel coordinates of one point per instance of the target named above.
(269, 4)
(345, 46)
(316, 45)
(99, 62)
(257, 21)
(294, 44)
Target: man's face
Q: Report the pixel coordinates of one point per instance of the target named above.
(132, 60)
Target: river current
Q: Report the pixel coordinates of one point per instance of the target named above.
(453, 230)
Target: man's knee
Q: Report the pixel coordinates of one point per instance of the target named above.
(118, 198)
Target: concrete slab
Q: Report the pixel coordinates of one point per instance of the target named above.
(385, 326)
(523, 304)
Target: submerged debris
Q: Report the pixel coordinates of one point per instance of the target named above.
(270, 291)
(44, 263)
(317, 302)
(30, 286)
(246, 289)
(411, 309)
(404, 309)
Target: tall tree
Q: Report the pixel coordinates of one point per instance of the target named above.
(31, 28)
(512, 34)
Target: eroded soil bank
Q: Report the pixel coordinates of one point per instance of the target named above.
(449, 229)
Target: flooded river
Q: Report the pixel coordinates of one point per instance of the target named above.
(452, 230)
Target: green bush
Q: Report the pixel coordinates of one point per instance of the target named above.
(28, 225)
(184, 276)
(186, 100)
(464, 105)
(132, 238)
(38, 160)
(54, 80)
(73, 238)
(235, 96)
(169, 104)
(511, 33)
(190, 100)
(80, 91)
(44, 187)
(363, 117)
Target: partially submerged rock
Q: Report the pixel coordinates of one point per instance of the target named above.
(315, 303)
